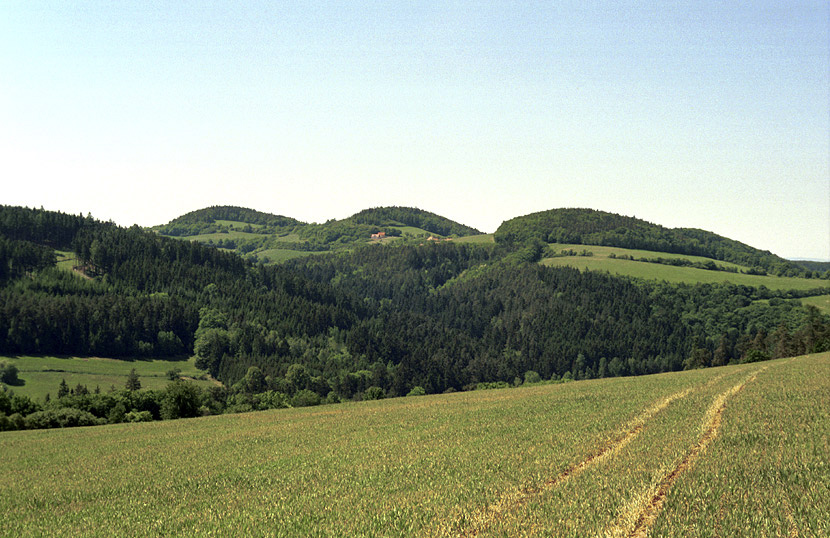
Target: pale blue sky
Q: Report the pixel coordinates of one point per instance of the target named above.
(713, 115)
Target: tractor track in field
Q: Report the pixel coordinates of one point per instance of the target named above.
(788, 512)
(510, 502)
(712, 423)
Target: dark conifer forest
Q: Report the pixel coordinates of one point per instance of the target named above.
(381, 320)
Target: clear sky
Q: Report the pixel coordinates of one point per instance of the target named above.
(712, 115)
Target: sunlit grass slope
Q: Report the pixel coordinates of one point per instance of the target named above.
(42, 375)
(480, 239)
(822, 302)
(574, 459)
(601, 261)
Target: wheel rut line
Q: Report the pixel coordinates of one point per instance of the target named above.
(510, 502)
(714, 417)
(792, 527)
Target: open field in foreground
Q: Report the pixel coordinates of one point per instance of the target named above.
(732, 451)
(42, 375)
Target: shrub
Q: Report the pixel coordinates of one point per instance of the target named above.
(493, 385)
(117, 413)
(374, 393)
(65, 417)
(5, 402)
(181, 400)
(138, 416)
(417, 391)
(17, 422)
(532, 377)
(271, 399)
(8, 373)
(305, 398)
(754, 355)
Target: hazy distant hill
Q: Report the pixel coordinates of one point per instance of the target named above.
(813, 265)
(267, 238)
(204, 221)
(592, 227)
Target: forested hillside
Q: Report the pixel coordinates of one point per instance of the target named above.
(591, 227)
(374, 321)
(411, 216)
(204, 221)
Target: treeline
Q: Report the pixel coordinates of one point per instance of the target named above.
(234, 213)
(203, 221)
(382, 321)
(59, 313)
(146, 295)
(80, 406)
(20, 257)
(47, 228)
(451, 316)
(591, 227)
(817, 268)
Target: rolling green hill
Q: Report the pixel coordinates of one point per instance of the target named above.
(268, 238)
(591, 227)
(414, 217)
(228, 214)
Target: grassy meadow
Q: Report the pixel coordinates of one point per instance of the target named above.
(600, 261)
(42, 375)
(743, 448)
(279, 255)
(477, 239)
(822, 302)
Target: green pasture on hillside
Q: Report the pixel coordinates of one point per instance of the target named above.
(237, 224)
(822, 302)
(65, 260)
(215, 237)
(483, 239)
(278, 255)
(42, 375)
(740, 450)
(412, 231)
(605, 252)
(673, 274)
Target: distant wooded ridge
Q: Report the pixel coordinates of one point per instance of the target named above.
(566, 225)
